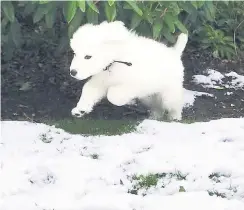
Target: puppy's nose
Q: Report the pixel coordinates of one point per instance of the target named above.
(73, 72)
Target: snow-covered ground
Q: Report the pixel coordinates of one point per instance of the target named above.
(217, 80)
(42, 167)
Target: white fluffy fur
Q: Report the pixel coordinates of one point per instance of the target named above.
(156, 71)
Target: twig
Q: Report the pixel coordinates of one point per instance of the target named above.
(163, 13)
(29, 118)
(235, 35)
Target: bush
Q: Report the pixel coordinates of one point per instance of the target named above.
(213, 25)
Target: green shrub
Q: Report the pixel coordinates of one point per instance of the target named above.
(210, 24)
(222, 31)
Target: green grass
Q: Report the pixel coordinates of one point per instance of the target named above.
(151, 180)
(146, 181)
(95, 127)
(143, 182)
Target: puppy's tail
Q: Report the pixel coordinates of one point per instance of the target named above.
(181, 43)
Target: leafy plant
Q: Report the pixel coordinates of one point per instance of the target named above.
(230, 19)
(146, 181)
(220, 28)
(215, 39)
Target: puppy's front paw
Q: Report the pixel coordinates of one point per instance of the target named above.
(77, 113)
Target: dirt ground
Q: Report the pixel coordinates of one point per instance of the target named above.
(36, 85)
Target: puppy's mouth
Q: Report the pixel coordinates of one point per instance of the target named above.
(110, 64)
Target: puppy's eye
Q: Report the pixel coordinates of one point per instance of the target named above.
(87, 57)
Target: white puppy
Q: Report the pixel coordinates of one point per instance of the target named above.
(124, 66)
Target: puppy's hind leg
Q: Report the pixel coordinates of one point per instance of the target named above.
(172, 101)
(92, 92)
(154, 104)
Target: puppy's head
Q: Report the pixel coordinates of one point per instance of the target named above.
(92, 46)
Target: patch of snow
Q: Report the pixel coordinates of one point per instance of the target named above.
(61, 174)
(190, 96)
(229, 93)
(237, 81)
(214, 79)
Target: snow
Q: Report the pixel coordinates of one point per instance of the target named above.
(43, 167)
(214, 79)
(238, 80)
(190, 96)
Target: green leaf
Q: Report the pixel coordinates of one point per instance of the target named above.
(168, 35)
(127, 6)
(205, 41)
(92, 17)
(169, 20)
(182, 189)
(135, 21)
(75, 23)
(92, 6)
(188, 7)
(40, 12)
(111, 2)
(110, 12)
(228, 38)
(211, 8)
(200, 3)
(180, 26)
(29, 8)
(174, 8)
(4, 23)
(70, 10)
(15, 31)
(229, 49)
(82, 5)
(50, 18)
(149, 17)
(157, 27)
(207, 13)
(135, 7)
(226, 3)
(195, 4)
(8, 10)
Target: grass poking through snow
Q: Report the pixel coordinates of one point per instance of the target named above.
(94, 156)
(143, 183)
(96, 127)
